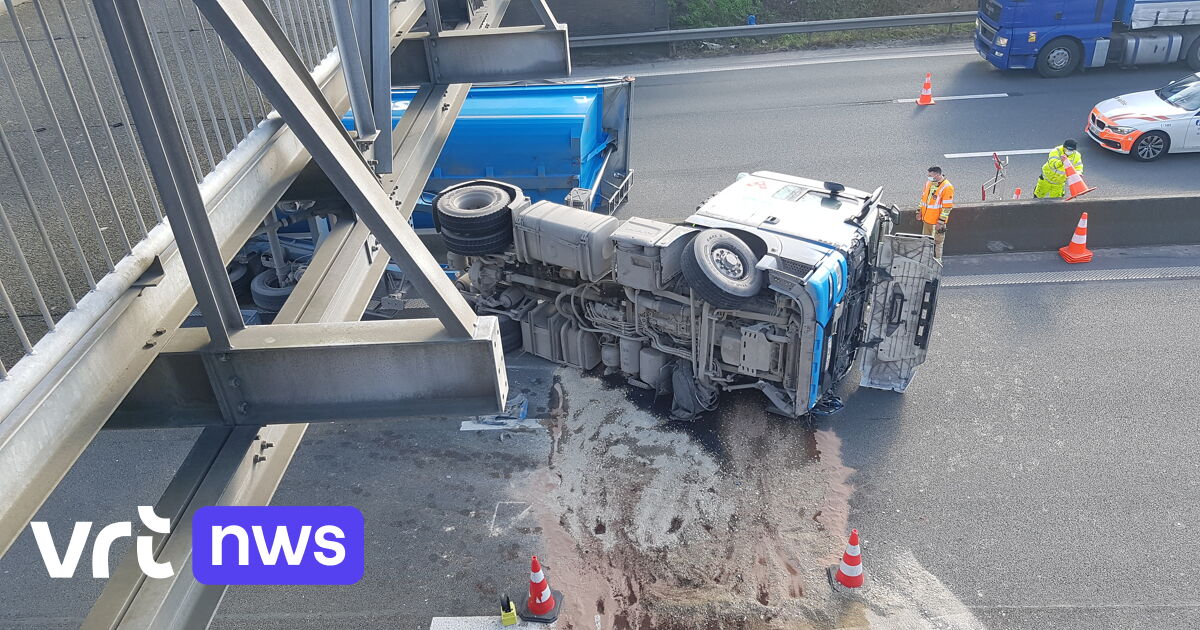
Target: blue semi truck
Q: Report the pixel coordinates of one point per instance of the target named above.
(1058, 37)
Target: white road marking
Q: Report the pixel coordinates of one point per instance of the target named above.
(989, 153)
(911, 598)
(493, 530)
(917, 54)
(1081, 275)
(479, 623)
(964, 97)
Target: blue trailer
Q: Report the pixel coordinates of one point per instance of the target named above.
(560, 141)
(1058, 37)
(565, 142)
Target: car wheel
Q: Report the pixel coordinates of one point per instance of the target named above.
(479, 210)
(1193, 56)
(1150, 146)
(1060, 58)
(722, 269)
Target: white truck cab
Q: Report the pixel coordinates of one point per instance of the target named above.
(776, 283)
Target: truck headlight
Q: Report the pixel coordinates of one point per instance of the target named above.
(1122, 131)
(1002, 42)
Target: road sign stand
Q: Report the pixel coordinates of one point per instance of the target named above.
(994, 182)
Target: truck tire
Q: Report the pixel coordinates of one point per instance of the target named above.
(1193, 56)
(239, 278)
(1150, 146)
(1059, 58)
(266, 292)
(472, 211)
(720, 267)
(510, 334)
(468, 245)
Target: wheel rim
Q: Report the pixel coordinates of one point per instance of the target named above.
(475, 200)
(1150, 147)
(1058, 58)
(728, 263)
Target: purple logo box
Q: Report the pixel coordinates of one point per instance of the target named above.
(278, 545)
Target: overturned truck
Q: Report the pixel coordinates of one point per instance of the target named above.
(775, 283)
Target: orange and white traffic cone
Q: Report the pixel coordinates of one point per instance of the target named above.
(926, 91)
(1075, 185)
(1017, 193)
(1076, 251)
(850, 572)
(543, 603)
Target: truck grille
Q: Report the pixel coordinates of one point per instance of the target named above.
(986, 32)
(798, 269)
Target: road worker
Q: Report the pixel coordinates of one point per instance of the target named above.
(936, 203)
(1054, 175)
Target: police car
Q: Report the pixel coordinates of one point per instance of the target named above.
(1147, 125)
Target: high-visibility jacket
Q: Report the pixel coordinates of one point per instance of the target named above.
(1054, 171)
(937, 201)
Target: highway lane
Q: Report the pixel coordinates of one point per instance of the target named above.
(837, 120)
(1037, 474)
(1042, 463)
(954, 474)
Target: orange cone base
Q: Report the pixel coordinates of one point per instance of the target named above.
(1086, 256)
(547, 617)
(928, 102)
(836, 583)
(1080, 194)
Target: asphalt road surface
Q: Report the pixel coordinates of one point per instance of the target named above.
(1038, 473)
(833, 117)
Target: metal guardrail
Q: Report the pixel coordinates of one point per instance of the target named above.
(69, 217)
(764, 30)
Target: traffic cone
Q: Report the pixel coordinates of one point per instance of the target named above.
(1076, 251)
(926, 91)
(543, 603)
(850, 571)
(1017, 193)
(508, 612)
(1075, 185)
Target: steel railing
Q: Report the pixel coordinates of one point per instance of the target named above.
(764, 30)
(76, 196)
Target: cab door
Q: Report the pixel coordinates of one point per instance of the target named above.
(1193, 133)
(903, 299)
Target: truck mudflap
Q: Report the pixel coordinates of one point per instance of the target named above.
(902, 304)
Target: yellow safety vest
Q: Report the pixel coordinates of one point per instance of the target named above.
(937, 201)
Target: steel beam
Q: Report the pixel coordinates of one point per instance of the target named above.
(349, 47)
(251, 33)
(145, 91)
(329, 372)
(512, 53)
(248, 473)
(56, 400)
(380, 84)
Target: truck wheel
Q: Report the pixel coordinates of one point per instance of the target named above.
(239, 277)
(720, 267)
(479, 210)
(266, 292)
(468, 245)
(1060, 58)
(510, 334)
(1150, 146)
(1193, 56)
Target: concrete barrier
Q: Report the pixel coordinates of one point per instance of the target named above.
(1032, 226)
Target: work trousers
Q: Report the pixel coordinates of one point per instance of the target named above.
(939, 237)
